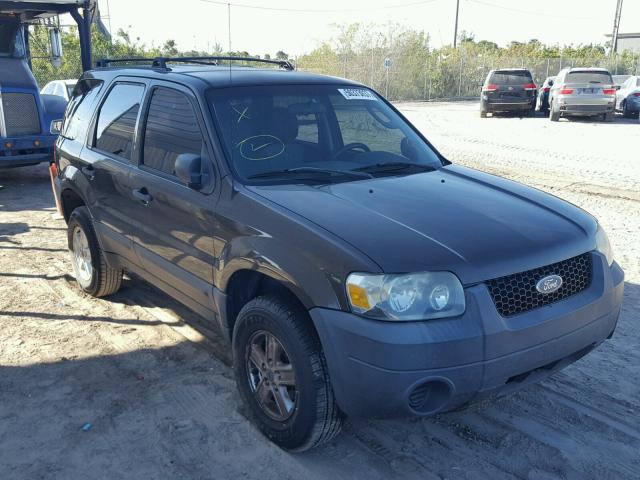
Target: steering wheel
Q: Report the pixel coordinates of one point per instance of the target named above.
(352, 146)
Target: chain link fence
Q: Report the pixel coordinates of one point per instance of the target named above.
(414, 71)
(436, 76)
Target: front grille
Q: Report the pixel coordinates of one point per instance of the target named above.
(517, 293)
(20, 114)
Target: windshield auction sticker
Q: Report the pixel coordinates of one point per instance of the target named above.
(357, 94)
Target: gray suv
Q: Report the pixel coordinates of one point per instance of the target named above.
(586, 92)
(352, 268)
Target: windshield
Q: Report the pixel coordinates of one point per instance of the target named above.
(287, 133)
(588, 77)
(11, 44)
(512, 77)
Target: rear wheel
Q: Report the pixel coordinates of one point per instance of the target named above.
(93, 275)
(607, 117)
(282, 374)
(554, 115)
(483, 114)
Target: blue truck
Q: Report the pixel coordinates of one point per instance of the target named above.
(29, 121)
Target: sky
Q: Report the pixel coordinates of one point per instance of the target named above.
(298, 26)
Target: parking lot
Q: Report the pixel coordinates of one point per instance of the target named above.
(152, 386)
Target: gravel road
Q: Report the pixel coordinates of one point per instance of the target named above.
(152, 385)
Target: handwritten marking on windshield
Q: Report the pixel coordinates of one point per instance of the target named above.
(242, 114)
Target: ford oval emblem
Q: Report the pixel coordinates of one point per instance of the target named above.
(549, 284)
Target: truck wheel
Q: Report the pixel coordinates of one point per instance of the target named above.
(282, 374)
(93, 274)
(554, 115)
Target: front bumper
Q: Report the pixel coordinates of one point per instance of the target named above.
(23, 150)
(392, 369)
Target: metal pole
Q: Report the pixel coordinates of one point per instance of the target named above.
(229, 24)
(455, 30)
(386, 88)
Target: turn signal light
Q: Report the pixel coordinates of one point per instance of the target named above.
(529, 86)
(566, 91)
(492, 87)
(36, 143)
(609, 91)
(8, 145)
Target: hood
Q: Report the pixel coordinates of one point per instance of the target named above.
(456, 219)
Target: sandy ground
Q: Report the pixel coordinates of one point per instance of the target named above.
(160, 397)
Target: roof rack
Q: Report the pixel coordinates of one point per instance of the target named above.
(161, 62)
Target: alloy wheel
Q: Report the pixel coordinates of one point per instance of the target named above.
(271, 376)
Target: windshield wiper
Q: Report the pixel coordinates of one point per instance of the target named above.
(310, 170)
(394, 167)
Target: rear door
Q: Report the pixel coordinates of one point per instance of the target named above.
(513, 86)
(174, 237)
(107, 164)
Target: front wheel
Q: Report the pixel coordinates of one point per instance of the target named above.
(93, 274)
(282, 374)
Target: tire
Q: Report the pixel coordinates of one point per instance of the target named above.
(93, 275)
(483, 114)
(554, 115)
(607, 117)
(308, 415)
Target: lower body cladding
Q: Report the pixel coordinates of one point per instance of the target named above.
(384, 369)
(26, 150)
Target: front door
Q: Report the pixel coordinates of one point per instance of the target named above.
(174, 236)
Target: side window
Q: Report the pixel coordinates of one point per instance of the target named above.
(307, 128)
(359, 125)
(80, 108)
(117, 120)
(171, 130)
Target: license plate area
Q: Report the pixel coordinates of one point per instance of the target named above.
(589, 91)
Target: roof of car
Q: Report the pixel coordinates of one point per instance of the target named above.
(220, 76)
(587, 69)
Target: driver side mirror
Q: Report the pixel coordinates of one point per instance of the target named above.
(188, 169)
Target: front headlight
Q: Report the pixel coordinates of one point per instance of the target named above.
(416, 296)
(603, 246)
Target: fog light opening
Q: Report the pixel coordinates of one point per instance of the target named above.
(430, 396)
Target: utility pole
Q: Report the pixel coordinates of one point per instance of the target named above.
(616, 28)
(455, 30)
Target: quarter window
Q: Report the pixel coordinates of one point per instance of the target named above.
(117, 120)
(172, 129)
(79, 109)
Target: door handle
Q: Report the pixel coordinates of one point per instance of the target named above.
(142, 195)
(89, 171)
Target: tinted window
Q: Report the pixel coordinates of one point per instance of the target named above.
(588, 77)
(511, 77)
(269, 129)
(80, 108)
(117, 120)
(70, 87)
(172, 129)
(9, 33)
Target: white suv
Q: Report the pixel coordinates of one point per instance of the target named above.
(582, 92)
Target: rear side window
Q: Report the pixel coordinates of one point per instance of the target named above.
(511, 77)
(80, 108)
(117, 120)
(171, 130)
(588, 77)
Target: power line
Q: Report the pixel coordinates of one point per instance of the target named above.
(314, 10)
(530, 12)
